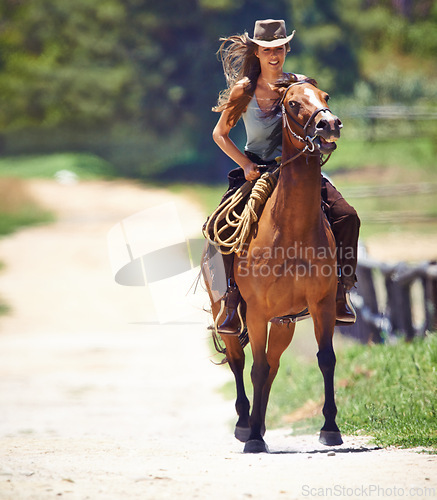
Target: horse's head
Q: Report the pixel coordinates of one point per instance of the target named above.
(307, 116)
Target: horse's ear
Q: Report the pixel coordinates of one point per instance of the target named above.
(280, 90)
(311, 81)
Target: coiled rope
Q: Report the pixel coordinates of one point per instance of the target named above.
(241, 224)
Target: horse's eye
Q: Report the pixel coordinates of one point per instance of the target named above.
(327, 98)
(293, 104)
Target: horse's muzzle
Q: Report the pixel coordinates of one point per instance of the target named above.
(327, 132)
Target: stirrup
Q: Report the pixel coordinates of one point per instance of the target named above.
(229, 326)
(345, 311)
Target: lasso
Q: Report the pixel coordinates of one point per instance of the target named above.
(242, 224)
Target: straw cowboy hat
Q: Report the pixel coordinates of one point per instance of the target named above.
(270, 33)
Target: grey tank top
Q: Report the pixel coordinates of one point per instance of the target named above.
(258, 129)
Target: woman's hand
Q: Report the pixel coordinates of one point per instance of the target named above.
(251, 171)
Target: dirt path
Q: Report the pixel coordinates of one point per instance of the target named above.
(99, 402)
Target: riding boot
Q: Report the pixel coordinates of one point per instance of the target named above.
(345, 312)
(232, 324)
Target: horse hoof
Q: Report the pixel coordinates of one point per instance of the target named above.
(242, 433)
(256, 446)
(330, 438)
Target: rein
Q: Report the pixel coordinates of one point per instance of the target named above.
(240, 224)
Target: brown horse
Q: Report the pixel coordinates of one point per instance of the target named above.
(289, 264)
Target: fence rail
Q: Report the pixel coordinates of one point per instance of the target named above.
(379, 318)
(384, 217)
(391, 190)
(394, 112)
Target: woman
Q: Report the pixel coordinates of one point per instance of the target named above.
(251, 67)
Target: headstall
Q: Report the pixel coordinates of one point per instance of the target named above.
(306, 139)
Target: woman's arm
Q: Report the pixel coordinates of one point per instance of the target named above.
(221, 137)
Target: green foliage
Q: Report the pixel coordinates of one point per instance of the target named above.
(134, 81)
(62, 63)
(324, 45)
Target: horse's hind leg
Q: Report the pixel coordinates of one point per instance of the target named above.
(235, 356)
(324, 330)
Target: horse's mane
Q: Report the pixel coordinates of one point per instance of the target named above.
(275, 138)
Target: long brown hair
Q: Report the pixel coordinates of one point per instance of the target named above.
(239, 60)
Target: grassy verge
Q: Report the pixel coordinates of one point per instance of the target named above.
(17, 208)
(384, 391)
(84, 166)
(387, 392)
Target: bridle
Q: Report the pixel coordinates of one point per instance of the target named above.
(305, 138)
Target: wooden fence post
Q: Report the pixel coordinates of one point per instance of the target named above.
(399, 303)
(396, 316)
(429, 280)
(368, 325)
(366, 288)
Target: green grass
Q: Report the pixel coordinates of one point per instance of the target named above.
(384, 391)
(28, 215)
(390, 392)
(17, 207)
(85, 166)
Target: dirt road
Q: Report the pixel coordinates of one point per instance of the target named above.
(98, 401)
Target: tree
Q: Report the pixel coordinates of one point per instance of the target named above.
(324, 46)
(135, 80)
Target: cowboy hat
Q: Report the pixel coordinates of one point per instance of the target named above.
(270, 33)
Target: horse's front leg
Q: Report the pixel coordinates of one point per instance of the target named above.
(280, 337)
(257, 328)
(324, 321)
(235, 356)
